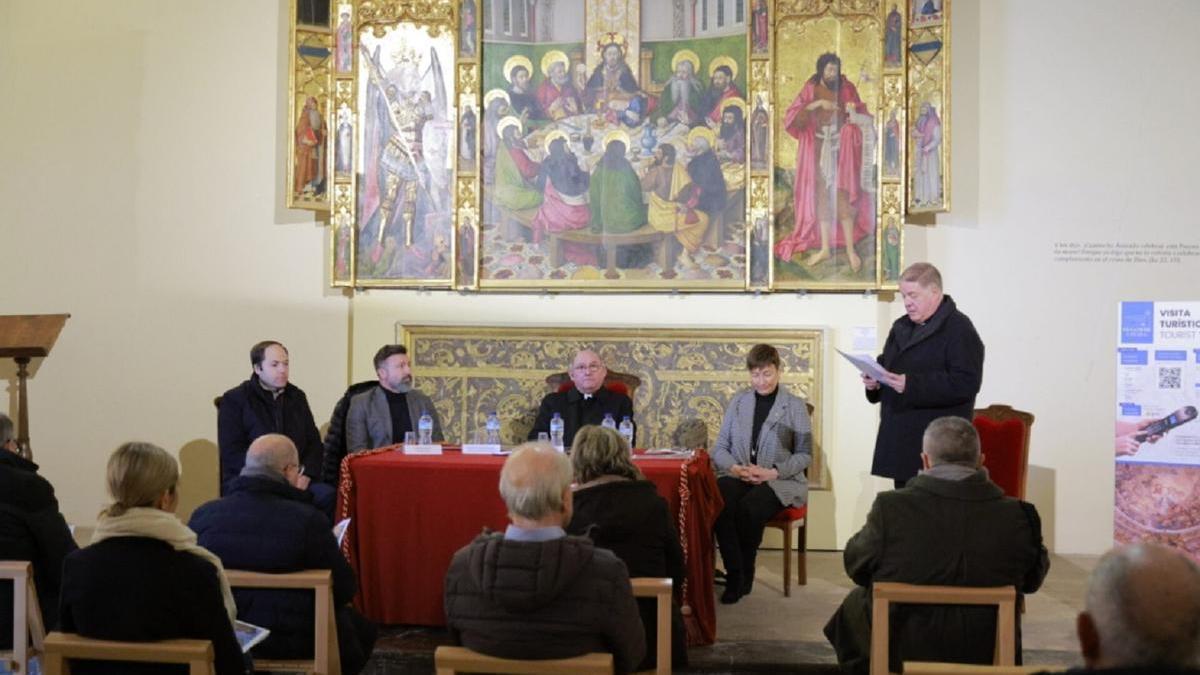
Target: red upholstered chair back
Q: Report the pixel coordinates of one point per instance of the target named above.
(618, 383)
(1004, 441)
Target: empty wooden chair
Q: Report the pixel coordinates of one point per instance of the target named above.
(61, 648)
(28, 630)
(452, 660)
(928, 668)
(885, 593)
(326, 659)
(652, 587)
(793, 522)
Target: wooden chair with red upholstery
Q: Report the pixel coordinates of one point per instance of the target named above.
(794, 519)
(1004, 441)
(617, 383)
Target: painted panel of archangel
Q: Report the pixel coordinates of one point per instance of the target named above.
(613, 141)
(827, 93)
(405, 155)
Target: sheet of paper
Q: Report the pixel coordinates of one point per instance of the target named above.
(866, 365)
(249, 635)
(339, 530)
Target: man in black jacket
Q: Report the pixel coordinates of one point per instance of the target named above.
(585, 403)
(949, 526)
(534, 592)
(934, 360)
(266, 524)
(31, 528)
(268, 403)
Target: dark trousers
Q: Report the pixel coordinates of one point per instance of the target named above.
(739, 528)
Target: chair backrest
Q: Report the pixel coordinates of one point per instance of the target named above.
(885, 593)
(28, 630)
(326, 659)
(452, 660)
(654, 587)
(62, 647)
(1004, 441)
(621, 383)
(929, 668)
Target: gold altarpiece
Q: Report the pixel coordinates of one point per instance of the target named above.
(422, 128)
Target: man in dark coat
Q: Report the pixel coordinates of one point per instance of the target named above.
(585, 403)
(1142, 613)
(534, 592)
(950, 526)
(31, 528)
(335, 436)
(934, 360)
(268, 403)
(266, 524)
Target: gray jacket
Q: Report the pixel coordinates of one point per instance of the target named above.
(369, 422)
(784, 443)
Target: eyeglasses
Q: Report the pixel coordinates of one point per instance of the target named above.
(299, 468)
(588, 368)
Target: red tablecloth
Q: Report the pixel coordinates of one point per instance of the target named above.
(410, 513)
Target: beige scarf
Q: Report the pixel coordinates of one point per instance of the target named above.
(164, 526)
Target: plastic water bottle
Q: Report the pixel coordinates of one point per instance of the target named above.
(626, 430)
(493, 428)
(425, 429)
(556, 430)
(609, 422)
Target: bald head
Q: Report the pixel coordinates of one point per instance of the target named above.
(588, 371)
(1143, 610)
(536, 484)
(271, 453)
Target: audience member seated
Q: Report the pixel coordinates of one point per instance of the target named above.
(762, 451)
(144, 577)
(31, 528)
(268, 403)
(1142, 613)
(381, 415)
(585, 403)
(948, 526)
(534, 592)
(618, 509)
(267, 524)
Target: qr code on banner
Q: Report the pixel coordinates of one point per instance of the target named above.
(1168, 378)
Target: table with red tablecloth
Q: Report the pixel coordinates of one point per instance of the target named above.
(410, 513)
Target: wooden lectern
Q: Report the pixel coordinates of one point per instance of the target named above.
(23, 337)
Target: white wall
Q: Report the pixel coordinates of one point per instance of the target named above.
(142, 161)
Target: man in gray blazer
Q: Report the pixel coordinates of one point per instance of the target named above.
(381, 415)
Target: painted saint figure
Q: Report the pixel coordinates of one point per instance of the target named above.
(556, 96)
(466, 140)
(466, 38)
(565, 198)
(520, 89)
(612, 89)
(615, 194)
(891, 38)
(309, 170)
(495, 108)
(891, 145)
(705, 194)
(722, 72)
(344, 59)
(731, 144)
(682, 95)
(344, 143)
(760, 130)
(517, 185)
(759, 26)
(927, 173)
(831, 208)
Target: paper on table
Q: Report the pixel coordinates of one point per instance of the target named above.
(866, 365)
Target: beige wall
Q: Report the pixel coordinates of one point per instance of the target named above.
(142, 160)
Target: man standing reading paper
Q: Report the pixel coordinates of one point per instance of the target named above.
(934, 363)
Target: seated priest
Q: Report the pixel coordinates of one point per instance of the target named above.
(585, 403)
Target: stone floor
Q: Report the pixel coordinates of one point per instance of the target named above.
(768, 633)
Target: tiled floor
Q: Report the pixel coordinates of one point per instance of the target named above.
(766, 632)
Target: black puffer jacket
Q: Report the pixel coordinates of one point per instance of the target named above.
(543, 600)
(335, 438)
(31, 528)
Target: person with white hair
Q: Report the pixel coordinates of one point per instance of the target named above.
(950, 526)
(534, 592)
(1142, 613)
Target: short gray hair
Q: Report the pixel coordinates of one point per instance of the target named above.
(924, 274)
(6, 429)
(270, 453)
(534, 479)
(1144, 601)
(951, 440)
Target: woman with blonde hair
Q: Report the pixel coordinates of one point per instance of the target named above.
(620, 510)
(143, 577)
